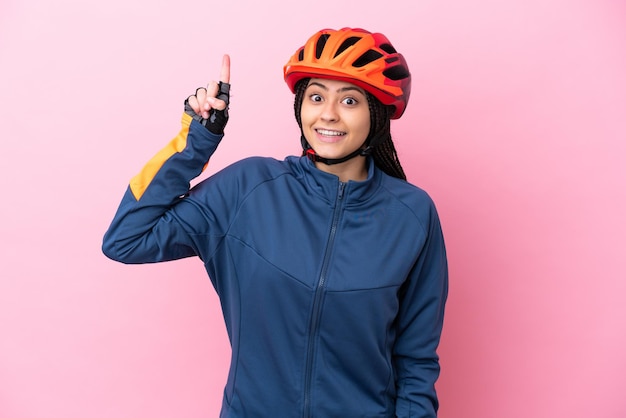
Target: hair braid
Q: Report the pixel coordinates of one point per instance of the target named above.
(299, 98)
(384, 152)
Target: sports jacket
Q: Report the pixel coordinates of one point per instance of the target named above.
(333, 293)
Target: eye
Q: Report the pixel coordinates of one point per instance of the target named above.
(315, 97)
(350, 101)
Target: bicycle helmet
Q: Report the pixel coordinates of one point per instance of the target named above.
(357, 56)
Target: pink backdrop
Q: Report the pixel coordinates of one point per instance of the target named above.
(516, 126)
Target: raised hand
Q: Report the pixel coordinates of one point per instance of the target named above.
(209, 105)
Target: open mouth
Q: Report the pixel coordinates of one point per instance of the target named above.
(331, 135)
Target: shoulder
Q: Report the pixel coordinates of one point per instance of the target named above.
(405, 191)
(256, 170)
(254, 167)
(245, 175)
(415, 199)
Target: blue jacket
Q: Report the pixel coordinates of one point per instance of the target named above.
(333, 293)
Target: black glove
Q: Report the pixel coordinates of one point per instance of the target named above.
(217, 118)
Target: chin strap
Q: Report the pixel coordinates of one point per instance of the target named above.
(310, 153)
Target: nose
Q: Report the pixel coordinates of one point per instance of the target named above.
(329, 112)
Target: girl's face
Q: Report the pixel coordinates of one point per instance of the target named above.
(335, 118)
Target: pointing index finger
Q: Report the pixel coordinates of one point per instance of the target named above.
(225, 73)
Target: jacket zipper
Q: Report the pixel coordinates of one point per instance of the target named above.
(317, 303)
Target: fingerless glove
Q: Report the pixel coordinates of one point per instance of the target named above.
(216, 122)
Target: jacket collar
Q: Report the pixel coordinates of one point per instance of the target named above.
(326, 185)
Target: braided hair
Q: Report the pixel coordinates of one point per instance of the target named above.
(384, 152)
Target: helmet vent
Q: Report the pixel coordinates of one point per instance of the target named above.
(388, 48)
(366, 58)
(319, 47)
(301, 54)
(347, 44)
(396, 73)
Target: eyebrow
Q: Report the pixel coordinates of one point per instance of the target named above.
(341, 90)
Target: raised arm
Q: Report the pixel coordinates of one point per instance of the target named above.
(144, 229)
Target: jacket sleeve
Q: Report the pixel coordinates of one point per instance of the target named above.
(145, 228)
(419, 326)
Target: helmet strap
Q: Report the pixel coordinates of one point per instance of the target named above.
(310, 153)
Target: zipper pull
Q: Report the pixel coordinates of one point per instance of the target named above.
(342, 186)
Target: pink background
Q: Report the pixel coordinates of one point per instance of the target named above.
(516, 126)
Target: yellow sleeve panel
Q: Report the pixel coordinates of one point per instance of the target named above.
(141, 181)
